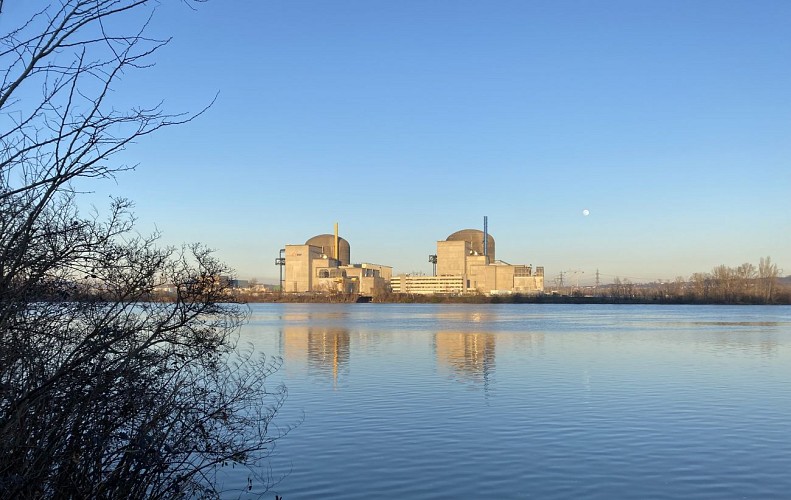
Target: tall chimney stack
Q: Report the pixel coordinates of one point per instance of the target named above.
(486, 238)
(337, 253)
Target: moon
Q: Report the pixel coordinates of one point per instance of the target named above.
(586, 212)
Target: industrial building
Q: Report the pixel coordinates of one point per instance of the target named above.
(465, 262)
(323, 264)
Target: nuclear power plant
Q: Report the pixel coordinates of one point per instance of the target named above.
(323, 264)
(465, 262)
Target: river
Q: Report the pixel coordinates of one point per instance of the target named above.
(530, 401)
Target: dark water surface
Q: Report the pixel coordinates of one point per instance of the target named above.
(531, 401)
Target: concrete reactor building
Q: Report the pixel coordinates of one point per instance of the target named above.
(465, 263)
(323, 264)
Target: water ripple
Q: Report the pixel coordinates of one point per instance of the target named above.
(527, 401)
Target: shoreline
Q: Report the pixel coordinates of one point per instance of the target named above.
(494, 299)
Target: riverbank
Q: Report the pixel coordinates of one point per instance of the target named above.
(500, 299)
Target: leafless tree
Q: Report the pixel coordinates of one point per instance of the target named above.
(767, 276)
(742, 284)
(104, 394)
(723, 279)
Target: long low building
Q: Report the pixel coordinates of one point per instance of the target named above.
(450, 285)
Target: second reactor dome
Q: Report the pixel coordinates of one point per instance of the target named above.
(475, 238)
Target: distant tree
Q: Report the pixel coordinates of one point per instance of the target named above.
(745, 282)
(381, 290)
(701, 286)
(679, 287)
(104, 394)
(723, 283)
(617, 288)
(767, 276)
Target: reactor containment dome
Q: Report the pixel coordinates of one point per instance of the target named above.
(475, 238)
(327, 244)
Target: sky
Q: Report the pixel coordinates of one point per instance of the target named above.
(405, 121)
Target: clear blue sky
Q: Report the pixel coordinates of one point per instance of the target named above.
(405, 121)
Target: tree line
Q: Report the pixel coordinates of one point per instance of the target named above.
(743, 284)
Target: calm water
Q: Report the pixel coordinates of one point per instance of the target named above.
(521, 401)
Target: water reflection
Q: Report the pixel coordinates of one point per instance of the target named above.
(466, 356)
(772, 324)
(739, 343)
(466, 315)
(590, 402)
(325, 351)
(304, 316)
(521, 342)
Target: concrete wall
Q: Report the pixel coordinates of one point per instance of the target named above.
(531, 284)
(371, 285)
(491, 278)
(385, 272)
(504, 278)
(475, 266)
(298, 270)
(452, 257)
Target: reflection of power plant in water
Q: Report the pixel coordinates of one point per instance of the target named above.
(469, 355)
(325, 350)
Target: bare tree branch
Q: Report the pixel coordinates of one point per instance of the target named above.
(104, 392)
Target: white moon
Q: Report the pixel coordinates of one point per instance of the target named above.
(586, 212)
